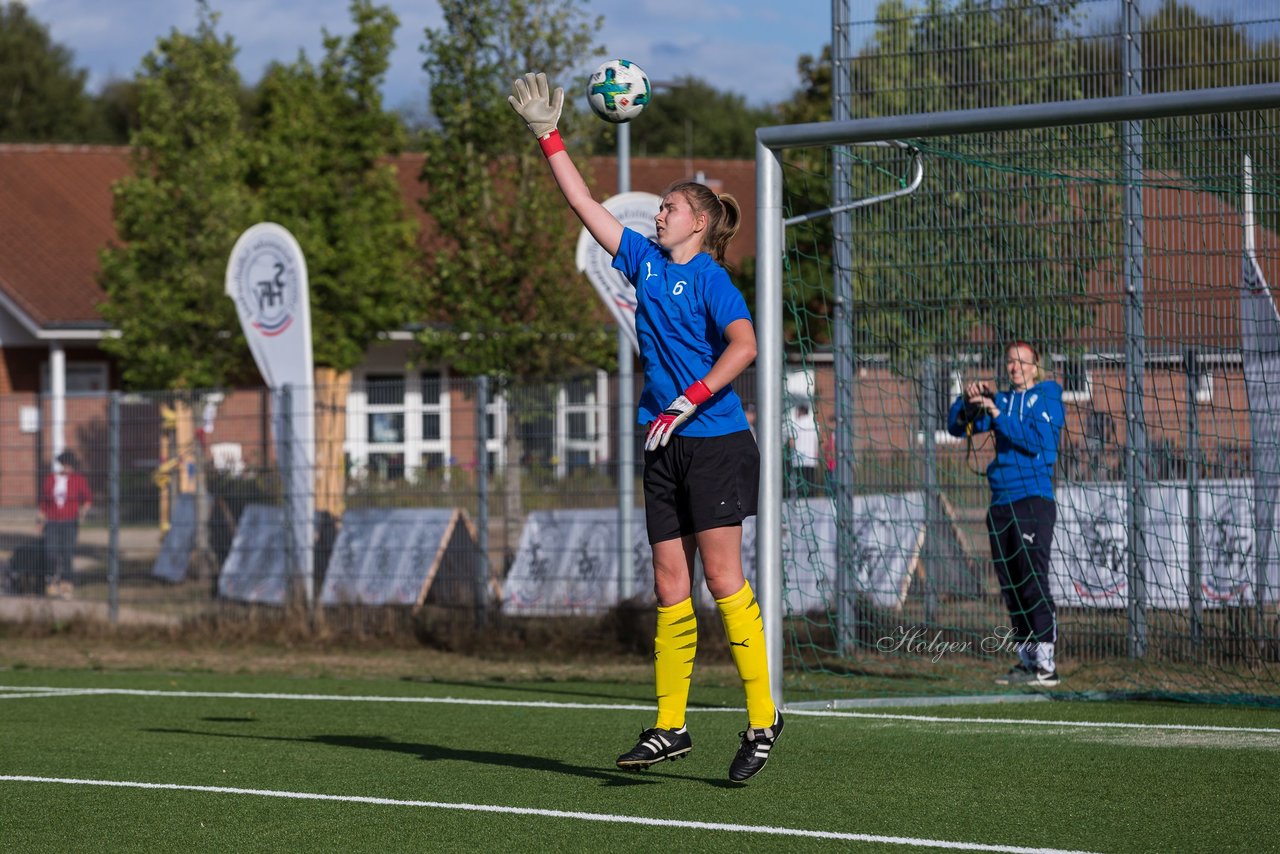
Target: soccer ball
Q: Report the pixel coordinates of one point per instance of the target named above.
(618, 91)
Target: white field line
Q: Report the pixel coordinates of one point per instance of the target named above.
(544, 813)
(44, 692)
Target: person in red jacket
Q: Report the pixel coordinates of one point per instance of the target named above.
(64, 501)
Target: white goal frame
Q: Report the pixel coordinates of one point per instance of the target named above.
(770, 247)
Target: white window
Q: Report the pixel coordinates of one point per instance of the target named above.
(1075, 378)
(400, 426)
(582, 423)
(86, 378)
(434, 451)
(384, 425)
(495, 431)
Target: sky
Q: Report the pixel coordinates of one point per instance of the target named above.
(749, 47)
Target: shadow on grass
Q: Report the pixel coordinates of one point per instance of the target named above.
(436, 752)
(643, 695)
(539, 688)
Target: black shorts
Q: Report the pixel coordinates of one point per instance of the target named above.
(697, 483)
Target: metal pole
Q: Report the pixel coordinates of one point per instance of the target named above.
(1135, 339)
(113, 509)
(1122, 108)
(842, 343)
(929, 426)
(1191, 362)
(626, 415)
(624, 158)
(769, 423)
(284, 448)
(482, 497)
(1263, 499)
(203, 552)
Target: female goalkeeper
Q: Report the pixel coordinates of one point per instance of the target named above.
(701, 463)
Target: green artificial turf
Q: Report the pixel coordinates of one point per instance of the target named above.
(982, 774)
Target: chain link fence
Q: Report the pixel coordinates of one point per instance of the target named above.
(434, 497)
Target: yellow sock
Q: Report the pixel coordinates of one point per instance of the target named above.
(674, 647)
(744, 628)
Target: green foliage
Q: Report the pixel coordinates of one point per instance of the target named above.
(316, 163)
(118, 104)
(1182, 49)
(688, 118)
(996, 222)
(320, 168)
(507, 297)
(178, 215)
(812, 103)
(42, 97)
(1001, 250)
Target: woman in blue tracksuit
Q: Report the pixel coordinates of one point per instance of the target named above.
(1027, 421)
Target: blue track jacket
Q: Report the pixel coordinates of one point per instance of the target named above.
(1027, 431)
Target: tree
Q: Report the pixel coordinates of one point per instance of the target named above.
(995, 225)
(508, 297)
(511, 303)
(812, 102)
(1182, 50)
(688, 118)
(178, 216)
(321, 168)
(42, 97)
(117, 104)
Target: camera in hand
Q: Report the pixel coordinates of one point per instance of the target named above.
(973, 411)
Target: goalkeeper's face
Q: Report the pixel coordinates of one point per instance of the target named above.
(678, 224)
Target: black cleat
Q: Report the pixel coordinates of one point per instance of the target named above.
(656, 745)
(754, 752)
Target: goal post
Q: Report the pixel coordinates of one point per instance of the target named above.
(1071, 179)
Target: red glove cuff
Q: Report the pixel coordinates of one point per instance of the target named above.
(551, 143)
(698, 393)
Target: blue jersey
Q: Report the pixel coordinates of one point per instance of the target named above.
(682, 311)
(1027, 431)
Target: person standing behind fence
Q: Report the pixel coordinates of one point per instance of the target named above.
(64, 500)
(1027, 422)
(701, 463)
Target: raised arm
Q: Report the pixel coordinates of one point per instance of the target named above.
(540, 108)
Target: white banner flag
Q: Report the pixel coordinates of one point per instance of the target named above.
(267, 279)
(635, 211)
(1260, 352)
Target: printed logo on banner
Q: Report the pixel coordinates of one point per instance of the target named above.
(1103, 574)
(267, 288)
(594, 551)
(1230, 550)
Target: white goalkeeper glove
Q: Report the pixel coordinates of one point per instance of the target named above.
(677, 412)
(540, 108)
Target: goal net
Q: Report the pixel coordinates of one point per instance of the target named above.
(1131, 240)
